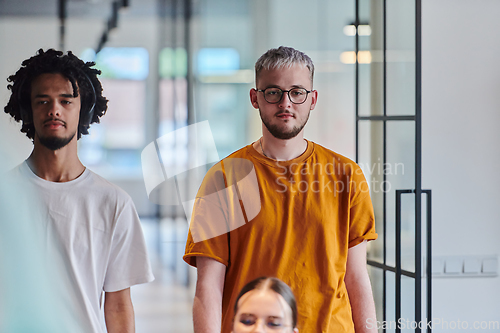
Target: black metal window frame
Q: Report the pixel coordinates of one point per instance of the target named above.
(399, 272)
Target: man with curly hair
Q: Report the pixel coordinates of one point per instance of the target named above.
(90, 224)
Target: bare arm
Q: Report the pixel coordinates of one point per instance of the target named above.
(359, 289)
(207, 305)
(119, 312)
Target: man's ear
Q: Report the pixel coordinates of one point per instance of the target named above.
(253, 98)
(314, 99)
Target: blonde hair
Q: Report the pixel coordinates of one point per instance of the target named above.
(283, 57)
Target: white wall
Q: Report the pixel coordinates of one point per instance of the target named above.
(461, 147)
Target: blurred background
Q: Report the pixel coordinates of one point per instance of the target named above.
(407, 88)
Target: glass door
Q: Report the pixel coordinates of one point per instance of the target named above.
(388, 148)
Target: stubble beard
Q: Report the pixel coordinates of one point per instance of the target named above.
(279, 133)
(55, 143)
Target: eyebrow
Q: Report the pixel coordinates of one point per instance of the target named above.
(293, 86)
(60, 95)
(272, 86)
(253, 315)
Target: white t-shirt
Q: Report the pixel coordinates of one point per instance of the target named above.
(93, 230)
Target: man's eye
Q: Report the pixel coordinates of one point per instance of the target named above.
(297, 92)
(272, 93)
(66, 102)
(41, 102)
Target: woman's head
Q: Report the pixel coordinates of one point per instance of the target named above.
(265, 305)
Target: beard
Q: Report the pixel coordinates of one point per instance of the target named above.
(54, 143)
(280, 133)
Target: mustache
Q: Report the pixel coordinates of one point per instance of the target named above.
(55, 119)
(284, 112)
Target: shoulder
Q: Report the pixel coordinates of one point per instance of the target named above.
(234, 166)
(99, 185)
(340, 162)
(323, 151)
(15, 174)
(235, 159)
(15, 184)
(17, 171)
(240, 153)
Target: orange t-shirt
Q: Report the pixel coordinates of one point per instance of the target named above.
(294, 220)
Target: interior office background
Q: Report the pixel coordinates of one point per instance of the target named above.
(460, 103)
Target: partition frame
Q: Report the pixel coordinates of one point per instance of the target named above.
(417, 191)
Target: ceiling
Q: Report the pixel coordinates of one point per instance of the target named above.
(75, 8)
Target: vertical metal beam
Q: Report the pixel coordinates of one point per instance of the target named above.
(155, 118)
(399, 193)
(175, 30)
(174, 45)
(62, 23)
(384, 152)
(356, 76)
(429, 257)
(418, 163)
(187, 44)
(191, 116)
(398, 258)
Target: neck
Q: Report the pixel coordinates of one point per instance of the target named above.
(281, 150)
(62, 165)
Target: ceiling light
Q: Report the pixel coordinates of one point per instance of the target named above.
(363, 30)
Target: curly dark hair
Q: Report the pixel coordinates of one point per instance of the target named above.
(79, 73)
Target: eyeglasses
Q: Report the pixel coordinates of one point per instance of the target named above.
(296, 95)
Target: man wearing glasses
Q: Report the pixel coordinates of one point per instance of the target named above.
(314, 221)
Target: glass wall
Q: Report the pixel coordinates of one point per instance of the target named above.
(389, 150)
(199, 58)
(172, 63)
(208, 49)
(238, 32)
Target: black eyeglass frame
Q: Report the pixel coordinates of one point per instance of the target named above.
(288, 93)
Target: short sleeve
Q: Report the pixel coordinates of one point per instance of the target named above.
(128, 263)
(216, 248)
(208, 230)
(361, 215)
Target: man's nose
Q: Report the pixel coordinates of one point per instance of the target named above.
(285, 101)
(54, 109)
